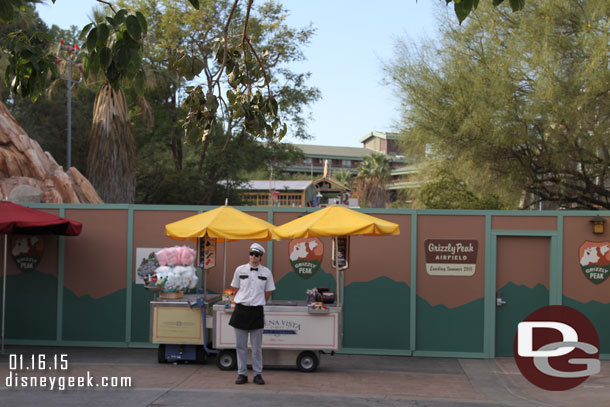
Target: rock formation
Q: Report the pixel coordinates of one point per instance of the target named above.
(22, 162)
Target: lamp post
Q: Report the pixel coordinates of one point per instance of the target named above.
(69, 54)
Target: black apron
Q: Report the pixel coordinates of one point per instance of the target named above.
(247, 318)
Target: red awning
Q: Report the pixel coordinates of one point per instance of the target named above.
(20, 220)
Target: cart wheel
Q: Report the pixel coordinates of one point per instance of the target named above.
(307, 361)
(161, 354)
(226, 359)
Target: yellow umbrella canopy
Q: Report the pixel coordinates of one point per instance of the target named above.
(336, 221)
(223, 222)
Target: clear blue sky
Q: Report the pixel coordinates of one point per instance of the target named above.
(344, 57)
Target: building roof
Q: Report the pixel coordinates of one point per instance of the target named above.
(329, 184)
(258, 185)
(380, 134)
(333, 151)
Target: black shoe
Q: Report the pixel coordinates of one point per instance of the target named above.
(241, 379)
(258, 379)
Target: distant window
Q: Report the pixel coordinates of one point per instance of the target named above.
(307, 161)
(346, 163)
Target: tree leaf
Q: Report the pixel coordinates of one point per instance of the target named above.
(283, 132)
(92, 39)
(113, 74)
(197, 66)
(86, 66)
(6, 11)
(273, 106)
(195, 3)
(105, 57)
(133, 27)
(94, 62)
(142, 21)
(231, 96)
(211, 102)
(121, 57)
(85, 31)
(119, 17)
(111, 21)
(517, 5)
(462, 9)
(102, 35)
(496, 3)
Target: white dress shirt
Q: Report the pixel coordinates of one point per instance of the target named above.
(252, 284)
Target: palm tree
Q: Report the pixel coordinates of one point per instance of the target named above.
(344, 177)
(112, 148)
(373, 175)
(111, 159)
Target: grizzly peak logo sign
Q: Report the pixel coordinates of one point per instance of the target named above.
(595, 260)
(306, 256)
(27, 251)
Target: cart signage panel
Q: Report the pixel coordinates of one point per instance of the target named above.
(342, 252)
(177, 325)
(207, 252)
(306, 256)
(286, 330)
(451, 257)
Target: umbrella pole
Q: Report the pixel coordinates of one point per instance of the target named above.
(4, 289)
(203, 270)
(339, 294)
(224, 268)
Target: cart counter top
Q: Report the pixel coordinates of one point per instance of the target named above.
(289, 306)
(187, 299)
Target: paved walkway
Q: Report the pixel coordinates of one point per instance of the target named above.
(351, 380)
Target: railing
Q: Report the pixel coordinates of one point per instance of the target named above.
(293, 199)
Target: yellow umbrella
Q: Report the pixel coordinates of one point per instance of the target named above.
(336, 221)
(222, 223)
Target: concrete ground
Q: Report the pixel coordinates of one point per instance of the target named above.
(341, 380)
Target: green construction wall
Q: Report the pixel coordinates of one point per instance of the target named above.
(389, 313)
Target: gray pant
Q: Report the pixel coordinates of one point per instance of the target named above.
(241, 342)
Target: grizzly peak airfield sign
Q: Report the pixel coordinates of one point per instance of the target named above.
(451, 257)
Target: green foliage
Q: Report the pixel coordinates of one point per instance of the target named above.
(369, 185)
(344, 177)
(250, 63)
(49, 128)
(449, 192)
(519, 99)
(8, 8)
(28, 63)
(463, 8)
(183, 55)
(115, 48)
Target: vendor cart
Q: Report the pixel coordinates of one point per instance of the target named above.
(181, 327)
(293, 334)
